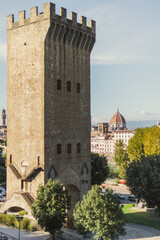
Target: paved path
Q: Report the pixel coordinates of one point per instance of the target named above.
(134, 232)
(139, 232)
(24, 234)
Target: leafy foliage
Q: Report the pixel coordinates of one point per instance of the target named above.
(99, 169)
(151, 141)
(146, 141)
(135, 147)
(143, 179)
(11, 221)
(100, 214)
(50, 206)
(113, 171)
(121, 158)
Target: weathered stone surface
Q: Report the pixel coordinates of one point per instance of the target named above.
(41, 50)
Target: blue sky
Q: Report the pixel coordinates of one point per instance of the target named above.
(125, 61)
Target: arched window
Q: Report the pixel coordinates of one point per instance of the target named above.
(58, 84)
(78, 147)
(78, 88)
(68, 148)
(58, 148)
(24, 165)
(39, 163)
(68, 86)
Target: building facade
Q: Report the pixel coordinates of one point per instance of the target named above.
(105, 135)
(3, 126)
(48, 104)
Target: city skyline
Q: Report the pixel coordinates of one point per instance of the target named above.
(125, 60)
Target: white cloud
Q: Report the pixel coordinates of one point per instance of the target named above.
(3, 50)
(145, 115)
(95, 120)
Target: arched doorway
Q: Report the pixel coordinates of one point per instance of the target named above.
(15, 209)
(74, 192)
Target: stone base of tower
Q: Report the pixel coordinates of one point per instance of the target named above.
(18, 202)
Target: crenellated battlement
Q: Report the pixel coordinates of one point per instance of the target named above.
(49, 12)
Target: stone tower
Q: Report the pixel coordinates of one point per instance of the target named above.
(3, 117)
(48, 104)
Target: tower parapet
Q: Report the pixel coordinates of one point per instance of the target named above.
(49, 12)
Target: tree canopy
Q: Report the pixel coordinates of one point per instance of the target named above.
(121, 158)
(135, 147)
(143, 179)
(50, 206)
(99, 169)
(100, 214)
(146, 141)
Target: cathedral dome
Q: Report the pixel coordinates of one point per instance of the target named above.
(117, 122)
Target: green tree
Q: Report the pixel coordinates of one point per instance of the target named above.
(99, 169)
(143, 179)
(135, 147)
(50, 206)
(151, 141)
(113, 171)
(121, 158)
(146, 141)
(100, 214)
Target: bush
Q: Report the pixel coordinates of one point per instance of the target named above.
(100, 214)
(11, 221)
(8, 220)
(50, 206)
(22, 213)
(25, 224)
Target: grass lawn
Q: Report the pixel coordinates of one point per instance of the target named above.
(139, 217)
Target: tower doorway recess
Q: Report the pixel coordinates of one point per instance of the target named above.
(74, 192)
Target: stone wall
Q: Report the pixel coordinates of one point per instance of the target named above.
(41, 50)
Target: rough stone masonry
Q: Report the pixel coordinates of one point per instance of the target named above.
(48, 104)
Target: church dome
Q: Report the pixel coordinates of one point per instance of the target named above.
(117, 122)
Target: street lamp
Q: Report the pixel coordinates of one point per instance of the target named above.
(19, 219)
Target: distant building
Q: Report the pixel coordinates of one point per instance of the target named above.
(3, 116)
(105, 135)
(117, 122)
(3, 126)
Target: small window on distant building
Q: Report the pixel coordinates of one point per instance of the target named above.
(68, 148)
(78, 147)
(58, 148)
(58, 84)
(68, 86)
(78, 88)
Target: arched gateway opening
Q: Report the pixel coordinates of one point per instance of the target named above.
(74, 192)
(14, 209)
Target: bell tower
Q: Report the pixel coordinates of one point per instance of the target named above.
(48, 104)
(3, 117)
